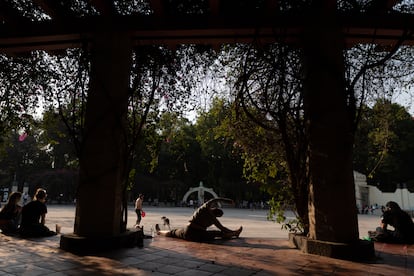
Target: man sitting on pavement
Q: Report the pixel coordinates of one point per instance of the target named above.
(205, 216)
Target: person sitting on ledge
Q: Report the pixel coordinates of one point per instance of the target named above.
(401, 221)
(34, 217)
(10, 214)
(205, 216)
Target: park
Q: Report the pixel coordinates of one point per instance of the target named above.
(302, 76)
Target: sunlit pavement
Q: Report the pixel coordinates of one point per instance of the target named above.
(255, 223)
(262, 249)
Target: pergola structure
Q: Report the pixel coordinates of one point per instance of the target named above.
(221, 25)
(320, 29)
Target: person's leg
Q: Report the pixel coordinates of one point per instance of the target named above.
(232, 234)
(165, 233)
(210, 235)
(160, 232)
(138, 212)
(175, 233)
(37, 230)
(139, 216)
(8, 226)
(380, 235)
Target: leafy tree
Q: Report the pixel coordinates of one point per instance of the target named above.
(219, 153)
(384, 146)
(58, 84)
(57, 142)
(268, 92)
(22, 157)
(160, 87)
(178, 155)
(264, 162)
(19, 91)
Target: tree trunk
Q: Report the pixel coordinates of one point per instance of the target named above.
(332, 209)
(102, 157)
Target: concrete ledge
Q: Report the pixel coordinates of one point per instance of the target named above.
(90, 245)
(360, 250)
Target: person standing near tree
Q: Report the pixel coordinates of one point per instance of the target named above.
(138, 208)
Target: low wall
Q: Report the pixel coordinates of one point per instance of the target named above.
(402, 196)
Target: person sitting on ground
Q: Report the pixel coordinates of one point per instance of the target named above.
(401, 221)
(10, 214)
(34, 217)
(205, 216)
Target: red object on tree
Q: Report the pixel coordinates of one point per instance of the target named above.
(22, 137)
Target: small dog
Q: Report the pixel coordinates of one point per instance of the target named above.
(166, 222)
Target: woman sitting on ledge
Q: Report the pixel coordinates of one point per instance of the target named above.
(10, 214)
(401, 221)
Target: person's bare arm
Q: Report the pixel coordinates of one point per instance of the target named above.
(43, 219)
(220, 226)
(384, 225)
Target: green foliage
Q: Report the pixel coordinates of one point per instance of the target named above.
(219, 151)
(57, 142)
(131, 179)
(268, 122)
(17, 96)
(259, 150)
(265, 163)
(384, 146)
(277, 213)
(56, 85)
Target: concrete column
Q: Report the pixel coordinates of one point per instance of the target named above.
(102, 159)
(332, 209)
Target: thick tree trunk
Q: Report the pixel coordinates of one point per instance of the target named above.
(102, 158)
(332, 211)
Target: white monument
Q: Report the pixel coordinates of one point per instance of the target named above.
(200, 190)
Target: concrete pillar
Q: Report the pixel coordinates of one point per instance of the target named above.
(332, 209)
(102, 159)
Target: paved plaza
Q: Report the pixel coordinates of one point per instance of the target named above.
(255, 221)
(262, 249)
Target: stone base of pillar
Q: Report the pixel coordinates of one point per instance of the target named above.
(90, 245)
(361, 250)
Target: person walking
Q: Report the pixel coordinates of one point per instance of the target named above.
(138, 208)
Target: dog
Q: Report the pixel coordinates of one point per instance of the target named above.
(166, 222)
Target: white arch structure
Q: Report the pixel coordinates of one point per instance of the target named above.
(200, 193)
